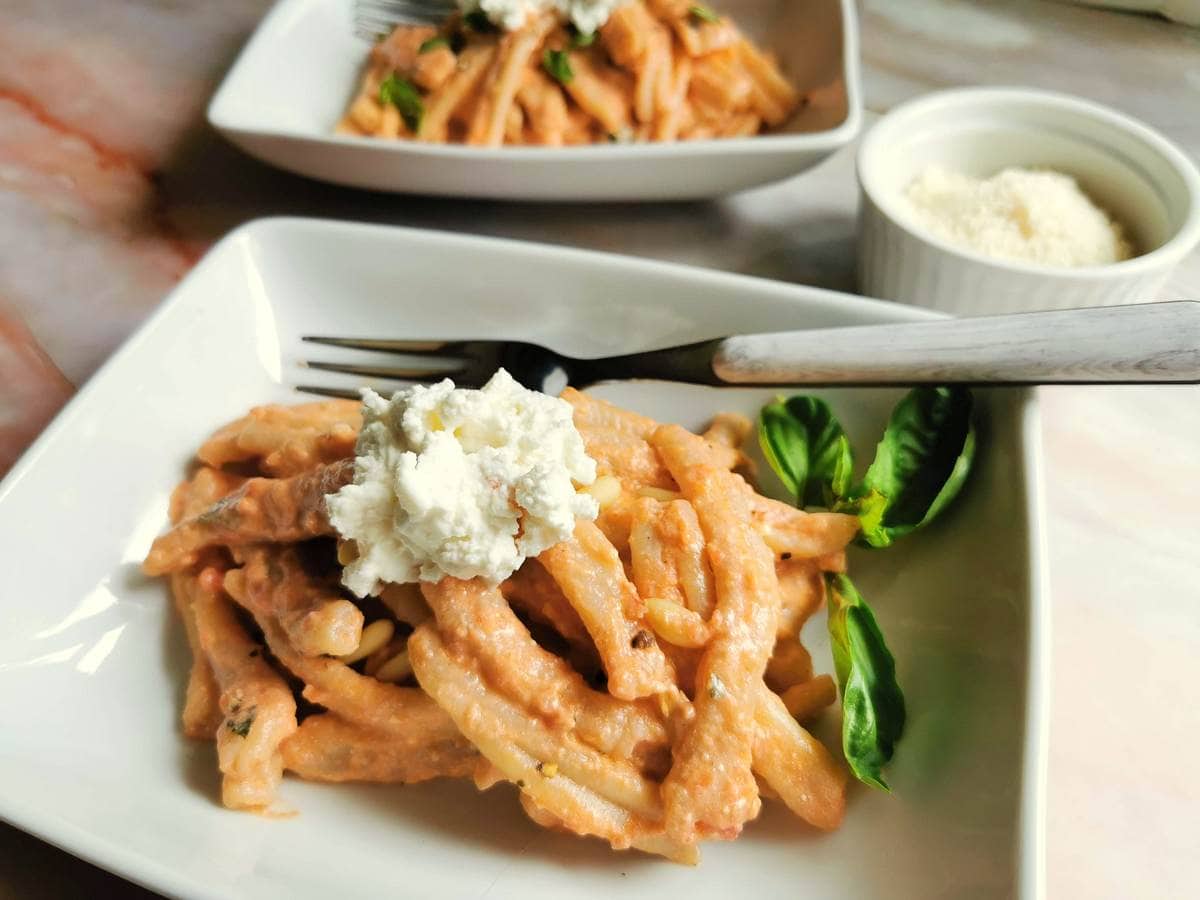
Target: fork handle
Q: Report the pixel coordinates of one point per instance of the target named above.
(1142, 343)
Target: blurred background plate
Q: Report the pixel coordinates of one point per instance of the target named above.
(293, 81)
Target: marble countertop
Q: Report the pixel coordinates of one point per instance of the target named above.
(111, 186)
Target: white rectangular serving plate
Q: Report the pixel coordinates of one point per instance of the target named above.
(294, 79)
(93, 659)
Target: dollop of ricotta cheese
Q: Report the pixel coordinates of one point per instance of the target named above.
(465, 483)
(586, 15)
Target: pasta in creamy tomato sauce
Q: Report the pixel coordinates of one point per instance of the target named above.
(642, 682)
(657, 70)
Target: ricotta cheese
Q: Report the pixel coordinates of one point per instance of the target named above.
(1031, 215)
(587, 15)
(465, 483)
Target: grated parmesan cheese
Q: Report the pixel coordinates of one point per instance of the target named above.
(1030, 215)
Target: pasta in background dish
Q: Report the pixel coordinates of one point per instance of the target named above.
(657, 70)
(642, 682)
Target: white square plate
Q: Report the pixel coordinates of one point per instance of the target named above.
(92, 659)
(294, 79)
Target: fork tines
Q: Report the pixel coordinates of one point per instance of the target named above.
(337, 393)
(375, 18)
(399, 373)
(445, 361)
(385, 346)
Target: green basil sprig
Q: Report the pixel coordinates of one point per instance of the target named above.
(872, 704)
(805, 444)
(920, 466)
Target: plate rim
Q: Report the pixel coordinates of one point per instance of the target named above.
(247, 232)
(1030, 819)
(825, 140)
(1031, 813)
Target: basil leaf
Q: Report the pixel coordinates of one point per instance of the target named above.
(477, 20)
(806, 446)
(873, 712)
(703, 13)
(404, 96)
(558, 65)
(242, 726)
(433, 43)
(920, 465)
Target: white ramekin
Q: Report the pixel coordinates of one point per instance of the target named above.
(1132, 171)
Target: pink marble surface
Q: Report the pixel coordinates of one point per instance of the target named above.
(111, 186)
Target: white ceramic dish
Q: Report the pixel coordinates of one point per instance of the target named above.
(1140, 177)
(292, 82)
(92, 659)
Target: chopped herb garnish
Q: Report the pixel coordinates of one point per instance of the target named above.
(558, 65)
(241, 727)
(433, 43)
(221, 512)
(405, 98)
(703, 13)
(478, 20)
(580, 39)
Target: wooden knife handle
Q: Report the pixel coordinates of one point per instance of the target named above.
(1142, 343)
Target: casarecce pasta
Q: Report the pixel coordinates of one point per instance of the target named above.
(642, 682)
(657, 70)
